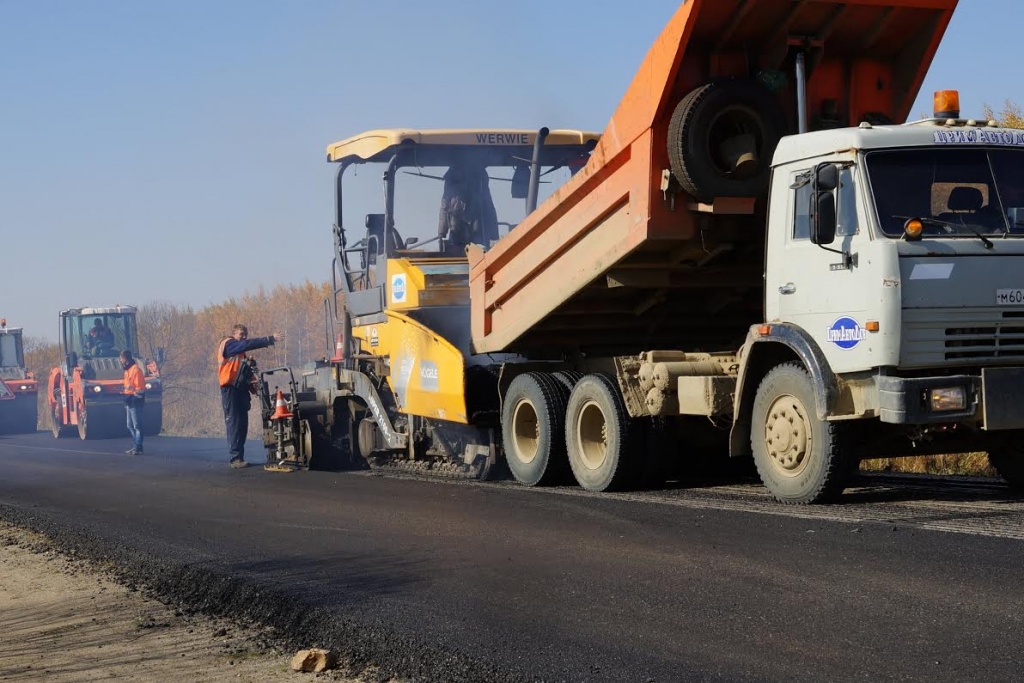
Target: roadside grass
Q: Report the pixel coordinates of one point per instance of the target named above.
(961, 464)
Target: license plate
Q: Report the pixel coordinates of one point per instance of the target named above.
(1010, 297)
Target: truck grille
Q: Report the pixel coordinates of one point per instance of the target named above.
(961, 337)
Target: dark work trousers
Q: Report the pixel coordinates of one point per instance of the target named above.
(236, 406)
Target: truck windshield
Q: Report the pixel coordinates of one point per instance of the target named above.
(955, 192)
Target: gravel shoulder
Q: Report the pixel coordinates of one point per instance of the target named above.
(64, 619)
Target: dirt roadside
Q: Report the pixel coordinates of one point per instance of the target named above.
(63, 620)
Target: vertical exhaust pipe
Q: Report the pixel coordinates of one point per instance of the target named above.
(531, 196)
(801, 91)
(328, 326)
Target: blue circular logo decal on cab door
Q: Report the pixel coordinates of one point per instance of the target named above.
(846, 333)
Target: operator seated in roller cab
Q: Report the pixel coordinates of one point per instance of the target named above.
(100, 339)
(467, 215)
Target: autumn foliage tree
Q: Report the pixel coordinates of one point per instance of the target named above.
(1010, 117)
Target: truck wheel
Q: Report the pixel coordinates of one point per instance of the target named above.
(533, 429)
(1007, 459)
(568, 378)
(599, 436)
(721, 139)
(800, 458)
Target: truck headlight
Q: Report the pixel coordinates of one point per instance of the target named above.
(149, 385)
(97, 388)
(950, 398)
(24, 387)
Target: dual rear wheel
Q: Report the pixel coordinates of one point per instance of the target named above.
(600, 436)
(533, 429)
(567, 424)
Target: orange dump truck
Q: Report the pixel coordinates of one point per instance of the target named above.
(761, 256)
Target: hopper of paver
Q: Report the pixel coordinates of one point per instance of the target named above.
(659, 240)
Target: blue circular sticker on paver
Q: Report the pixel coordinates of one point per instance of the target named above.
(398, 288)
(846, 333)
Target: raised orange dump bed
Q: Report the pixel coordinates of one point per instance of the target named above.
(621, 258)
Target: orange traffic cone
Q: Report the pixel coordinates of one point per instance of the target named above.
(281, 411)
(339, 350)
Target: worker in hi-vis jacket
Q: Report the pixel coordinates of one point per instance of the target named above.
(134, 399)
(236, 387)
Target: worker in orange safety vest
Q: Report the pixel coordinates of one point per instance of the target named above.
(237, 400)
(134, 399)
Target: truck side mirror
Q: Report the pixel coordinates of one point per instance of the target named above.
(72, 360)
(823, 223)
(823, 227)
(160, 356)
(521, 182)
(826, 178)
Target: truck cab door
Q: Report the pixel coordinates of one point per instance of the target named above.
(812, 287)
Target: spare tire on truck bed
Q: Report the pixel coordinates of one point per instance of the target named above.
(721, 139)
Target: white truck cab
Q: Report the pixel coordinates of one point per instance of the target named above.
(895, 254)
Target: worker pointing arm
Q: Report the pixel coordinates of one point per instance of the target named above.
(237, 347)
(236, 401)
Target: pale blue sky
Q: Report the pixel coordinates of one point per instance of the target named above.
(174, 150)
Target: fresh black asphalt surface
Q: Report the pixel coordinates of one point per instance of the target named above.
(908, 580)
